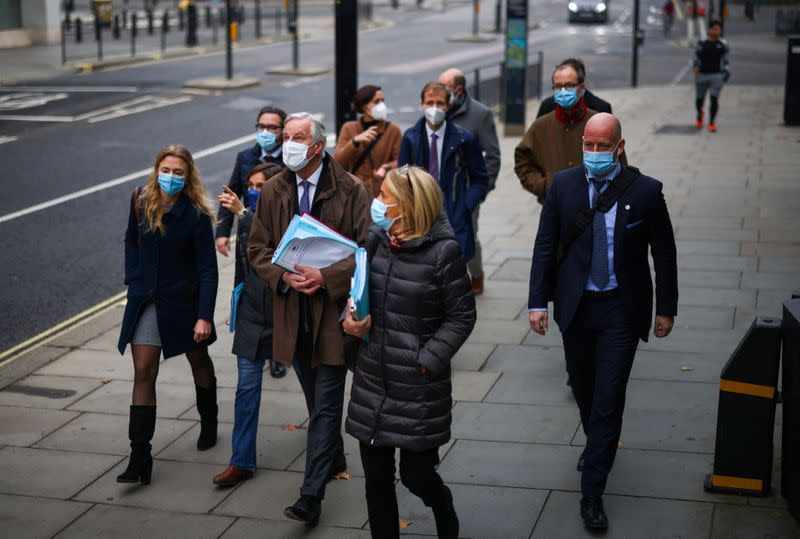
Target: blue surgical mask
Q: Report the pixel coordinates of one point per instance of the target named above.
(252, 198)
(599, 163)
(566, 99)
(378, 212)
(266, 139)
(170, 184)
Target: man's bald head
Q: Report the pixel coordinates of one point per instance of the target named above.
(604, 125)
(454, 79)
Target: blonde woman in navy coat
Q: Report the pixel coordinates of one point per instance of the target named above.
(171, 273)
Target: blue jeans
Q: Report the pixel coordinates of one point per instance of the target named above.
(245, 415)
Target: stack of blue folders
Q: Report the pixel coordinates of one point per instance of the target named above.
(310, 243)
(359, 290)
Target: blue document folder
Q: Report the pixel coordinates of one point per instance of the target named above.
(359, 290)
(235, 295)
(308, 242)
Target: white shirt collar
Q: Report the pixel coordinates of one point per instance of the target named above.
(274, 153)
(313, 179)
(439, 132)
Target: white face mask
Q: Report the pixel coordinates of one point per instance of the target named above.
(294, 155)
(434, 115)
(379, 111)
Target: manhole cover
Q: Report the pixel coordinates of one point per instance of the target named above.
(49, 392)
(676, 130)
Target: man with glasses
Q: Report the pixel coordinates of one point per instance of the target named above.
(267, 149)
(553, 142)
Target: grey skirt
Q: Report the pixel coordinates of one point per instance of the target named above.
(146, 331)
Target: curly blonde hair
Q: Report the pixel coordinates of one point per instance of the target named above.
(150, 202)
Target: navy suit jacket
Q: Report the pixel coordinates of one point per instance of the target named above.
(642, 221)
(462, 176)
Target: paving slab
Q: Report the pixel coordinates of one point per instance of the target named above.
(515, 388)
(709, 279)
(707, 247)
(176, 370)
(106, 342)
(108, 434)
(680, 367)
(499, 309)
(54, 392)
(498, 332)
(472, 386)
(713, 297)
(171, 482)
(90, 329)
(700, 261)
(471, 357)
(705, 317)
(522, 359)
(115, 398)
(63, 473)
(269, 492)
(477, 511)
(514, 269)
(25, 517)
(779, 264)
(675, 396)
(736, 522)
(776, 281)
(246, 528)
(27, 363)
(26, 426)
(628, 518)
(277, 408)
(91, 364)
(131, 523)
(276, 448)
(515, 423)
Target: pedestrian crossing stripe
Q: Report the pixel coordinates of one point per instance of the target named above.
(743, 388)
(739, 483)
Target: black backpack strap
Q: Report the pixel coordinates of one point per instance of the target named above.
(367, 151)
(605, 202)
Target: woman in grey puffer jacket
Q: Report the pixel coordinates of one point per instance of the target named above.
(421, 312)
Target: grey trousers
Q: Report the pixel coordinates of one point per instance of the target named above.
(475, 265)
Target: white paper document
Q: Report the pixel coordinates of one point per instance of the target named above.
(310, 243)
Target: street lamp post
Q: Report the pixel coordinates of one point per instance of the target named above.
(636, 39)
(228, 39)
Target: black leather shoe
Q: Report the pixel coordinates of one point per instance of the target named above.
(276, 370)
(580, 463)
(592, 512)
(306, 510)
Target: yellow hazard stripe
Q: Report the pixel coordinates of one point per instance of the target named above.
(744, 388)
(741, 483)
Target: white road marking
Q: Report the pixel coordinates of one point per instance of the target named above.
(71, 89)
(41, 118)
(621, 19)
(118, 181)
(682, 73)
(3, 140)
(28, 100)
(138, 104)
(155, 103)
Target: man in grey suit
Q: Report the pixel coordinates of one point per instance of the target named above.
(478, 119)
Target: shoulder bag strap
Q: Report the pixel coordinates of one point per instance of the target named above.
(366, 155)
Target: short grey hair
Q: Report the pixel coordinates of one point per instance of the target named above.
(317, 127)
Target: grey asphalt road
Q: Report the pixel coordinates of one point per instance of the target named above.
(61, 260)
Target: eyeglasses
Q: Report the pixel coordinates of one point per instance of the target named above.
(272, 128)
(569, 86)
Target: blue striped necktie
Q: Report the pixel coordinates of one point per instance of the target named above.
(600, 244)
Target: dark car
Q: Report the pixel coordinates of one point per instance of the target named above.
(587, 10)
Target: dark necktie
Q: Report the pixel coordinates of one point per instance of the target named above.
(433, 161)
(600, 245)
(305, 207)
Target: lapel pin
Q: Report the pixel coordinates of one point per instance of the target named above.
(627, 206)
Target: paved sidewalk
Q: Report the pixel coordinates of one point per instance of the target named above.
(734, 198)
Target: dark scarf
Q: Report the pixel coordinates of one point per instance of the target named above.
(573, 115)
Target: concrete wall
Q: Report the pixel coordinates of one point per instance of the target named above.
(40, 25)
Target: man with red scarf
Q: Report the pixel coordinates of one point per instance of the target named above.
(554, 141)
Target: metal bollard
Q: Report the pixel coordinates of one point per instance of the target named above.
(68, 21)
(209, 22)
(790, 390)
(64, 42)
(115, 30)
(98, 34)
(124, 18)
(78, 30)
(257, 16)
(278, 23)
(191, 25)
(214, 30)
(181, 20)
(165, 21)
(134, 31)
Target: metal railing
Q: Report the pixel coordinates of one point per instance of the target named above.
(486, 83)
(787, 22)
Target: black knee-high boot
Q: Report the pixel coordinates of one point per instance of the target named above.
(141, 426)
(207, 408)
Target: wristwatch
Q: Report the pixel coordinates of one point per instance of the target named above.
(241, 213)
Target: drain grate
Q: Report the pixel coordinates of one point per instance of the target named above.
(49, 392)
(672, 129)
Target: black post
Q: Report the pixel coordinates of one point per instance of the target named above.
(68, 21)
(635, 57)
(134, 31)
(115, 30)
(215, 28)
(476, 89)
(258, 19)
(277, 21)
(181, 20)
(498, 16)
(476, 9)
(540, 73)
(150, 22)
(124, 18)
(191, 25)
(164, 30)
(98, 34)
(228, 44)
(295, 34)
(209, 23)
(64, 42)
(346, 54)
(78, 30)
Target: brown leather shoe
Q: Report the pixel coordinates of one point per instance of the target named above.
(477, 285)
(232, 476)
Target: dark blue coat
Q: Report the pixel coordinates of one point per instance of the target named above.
(642, 222)
(462, 175)
(246, 160)
(177, 271)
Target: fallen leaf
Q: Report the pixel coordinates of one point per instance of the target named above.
(105, 380)
(686, 368)
(342, 476)
(404, 524)
(291, 426)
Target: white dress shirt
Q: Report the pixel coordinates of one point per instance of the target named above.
(313, 180)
